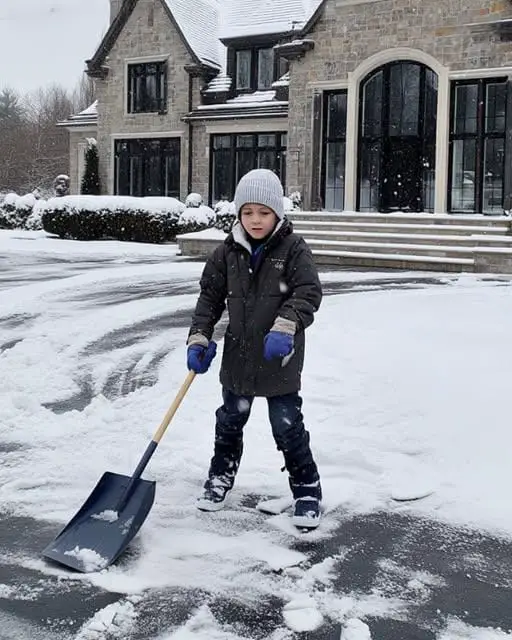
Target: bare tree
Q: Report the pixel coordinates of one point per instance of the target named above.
(33, 150)
(84, 94)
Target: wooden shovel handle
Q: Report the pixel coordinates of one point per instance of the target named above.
(174, 407)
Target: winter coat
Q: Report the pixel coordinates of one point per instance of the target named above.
(284, 283)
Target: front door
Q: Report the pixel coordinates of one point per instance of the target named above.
(402, 171)
(397, 138)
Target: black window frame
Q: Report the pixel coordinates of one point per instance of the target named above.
(234, 152)
(140, 152)
(377, 139)
(479, 137)
(328, 139)
(280, 66)
(143, 102)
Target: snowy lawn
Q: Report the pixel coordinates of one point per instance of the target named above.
(406, 394)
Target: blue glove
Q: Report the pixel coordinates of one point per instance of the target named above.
(199, 358)
(277, 345)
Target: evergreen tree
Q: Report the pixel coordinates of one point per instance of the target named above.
(91, 178)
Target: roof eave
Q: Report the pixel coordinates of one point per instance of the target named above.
(314, 19)
(95, 64)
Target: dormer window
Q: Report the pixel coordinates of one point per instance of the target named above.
(256, 69)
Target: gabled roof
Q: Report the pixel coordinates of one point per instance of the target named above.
(198, 29)
(204, 23)
(199, 23)
(86, 118)
(245, 18)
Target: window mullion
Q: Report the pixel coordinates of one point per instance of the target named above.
(480, 146)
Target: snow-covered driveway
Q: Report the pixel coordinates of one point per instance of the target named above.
(406, 387)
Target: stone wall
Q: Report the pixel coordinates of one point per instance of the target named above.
(350, 31)
(77, 148)
(148, 32)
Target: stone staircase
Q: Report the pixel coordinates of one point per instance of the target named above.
(427, 242)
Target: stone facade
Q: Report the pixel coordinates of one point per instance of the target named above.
(353, 37)
(78, 146)
(148, 35)
(456, 39)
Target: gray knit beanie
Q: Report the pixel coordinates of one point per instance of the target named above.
(260, 186)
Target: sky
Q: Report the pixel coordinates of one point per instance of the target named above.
(47, 41)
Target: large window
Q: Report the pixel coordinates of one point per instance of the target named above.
(334, 145)
(147, 87)
(234, 155)
(147, 167)
(397, 138)
(477, 145)
(257, 68)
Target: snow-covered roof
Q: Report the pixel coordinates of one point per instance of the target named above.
(221, 83)
(245, 18)
(86, 117)
(200, 28)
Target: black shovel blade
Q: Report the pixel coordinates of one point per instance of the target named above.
(98, 534)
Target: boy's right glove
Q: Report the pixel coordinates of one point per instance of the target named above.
(199, 357)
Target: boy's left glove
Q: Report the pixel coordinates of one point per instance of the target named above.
(277, 345)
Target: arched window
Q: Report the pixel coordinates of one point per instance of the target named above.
(397, 138)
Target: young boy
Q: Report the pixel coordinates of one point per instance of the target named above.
(267, 276)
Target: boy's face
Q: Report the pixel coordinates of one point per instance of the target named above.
(257, 220)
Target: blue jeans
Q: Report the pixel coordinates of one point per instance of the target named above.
(288, 429)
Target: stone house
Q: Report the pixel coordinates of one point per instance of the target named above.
(361, 105)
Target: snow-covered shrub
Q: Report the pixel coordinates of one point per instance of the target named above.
(151, 219)
(225, 215)
(15, 210)
(196, 218)
(194, 201)
(295, 199)
(35, 220)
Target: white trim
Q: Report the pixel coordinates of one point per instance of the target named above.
(443, 114)
(475, 74)
(134, 136)
(328, 85)
(149, 134)
(140, 60)
(82, 128)
(264, 125)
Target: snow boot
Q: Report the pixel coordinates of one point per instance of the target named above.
(307, 508)
(215, 490)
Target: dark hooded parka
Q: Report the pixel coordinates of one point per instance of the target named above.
(281, 288)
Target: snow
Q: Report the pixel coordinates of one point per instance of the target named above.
(401, 387)
(457, 630)
(89, 559)
(250, 18)
(200, 28)
(114, 621)
(107, 516)
(150, 204)
(206, 234)
(355, 629)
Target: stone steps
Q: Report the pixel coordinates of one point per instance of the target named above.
(305, 226)
(402, 218)
(463, 240)
(396, 241)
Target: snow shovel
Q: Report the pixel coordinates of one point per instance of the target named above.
(114, 512)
